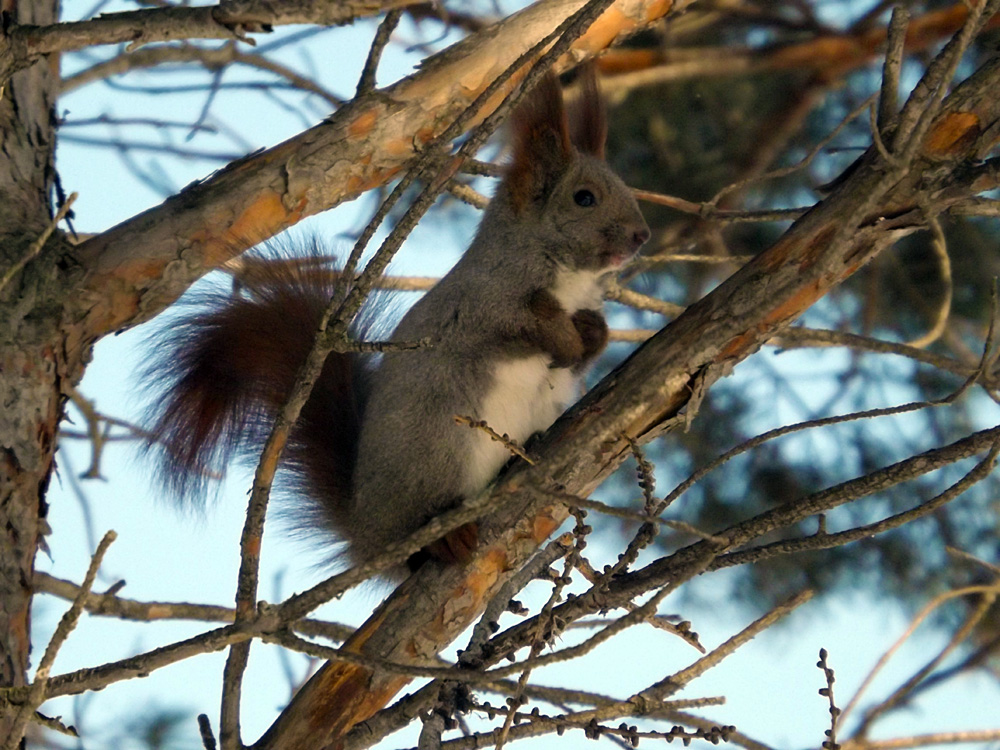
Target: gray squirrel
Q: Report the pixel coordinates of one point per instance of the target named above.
(376, 453)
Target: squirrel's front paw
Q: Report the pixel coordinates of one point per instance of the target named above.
(593, 330)
(553, 331)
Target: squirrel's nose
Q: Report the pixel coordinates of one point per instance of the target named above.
(639, 235)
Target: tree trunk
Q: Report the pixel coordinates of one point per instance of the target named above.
(31, 361)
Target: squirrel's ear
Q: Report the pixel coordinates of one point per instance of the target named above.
(590, 122)
(542, 146)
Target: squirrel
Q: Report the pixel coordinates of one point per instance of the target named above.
(376, 452)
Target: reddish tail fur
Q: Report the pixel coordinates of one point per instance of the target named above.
(223, 373)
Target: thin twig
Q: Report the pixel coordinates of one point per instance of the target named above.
(36, 247)
(140, 665)
(109, 604)
(792, 338)
(639, 301)
(830, 743)
(709, 210)
(670, 685)
(924, 740)
(367, 81)
(468, 195)
(39, 686)
(922, 615)
(55, 724)
(904, 691)
(854, 490)
(778, 432)
(939, 244)
(802, 163)
(616, 512)
(205, 731)
(505, 440)
(888, 103)
(666, 569)
(963, 555)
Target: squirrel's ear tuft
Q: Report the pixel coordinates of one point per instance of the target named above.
(542, 146)
(590, 122)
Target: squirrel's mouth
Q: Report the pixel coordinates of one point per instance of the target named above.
(620, 250)
(615, 259)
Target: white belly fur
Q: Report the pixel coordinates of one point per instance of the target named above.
(527, 395)
(526, 398)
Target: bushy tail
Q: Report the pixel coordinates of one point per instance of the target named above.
(223, 371)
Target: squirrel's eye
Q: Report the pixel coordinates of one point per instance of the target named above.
(584, 198)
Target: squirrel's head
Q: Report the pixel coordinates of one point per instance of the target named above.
(559, 186)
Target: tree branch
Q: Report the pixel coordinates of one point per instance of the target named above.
(22, 45)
